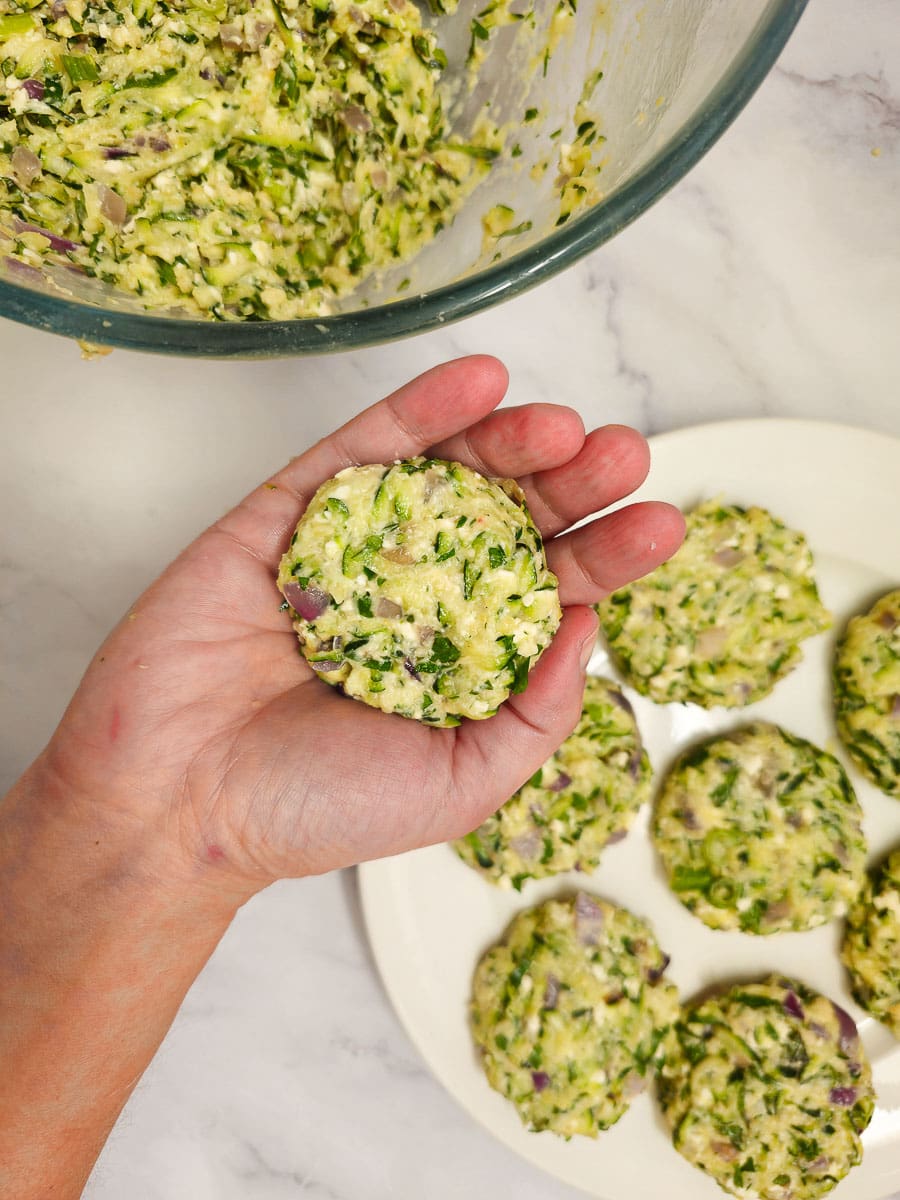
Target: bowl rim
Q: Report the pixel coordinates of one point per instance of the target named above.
(406, 317)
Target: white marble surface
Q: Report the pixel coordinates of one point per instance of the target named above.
(768, 282)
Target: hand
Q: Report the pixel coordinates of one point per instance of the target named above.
(199, 725)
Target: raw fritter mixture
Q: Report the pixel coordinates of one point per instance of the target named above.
(580, 800)
(767, 1089)
(871, 947)
(719, 623)
(761, 831)
(421, 588)
(235, 158)
(570, 1012)
(867, 692)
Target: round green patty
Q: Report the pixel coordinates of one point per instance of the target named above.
(582, 798)
(760, 830)
(871, 946)
(767, 1088)
(421, 588)
(570, 1011)
(867, 692)
(721, 621)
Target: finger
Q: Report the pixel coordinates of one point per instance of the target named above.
(611, 463)
(494, 758)
(517, 441)
(435, 406)
(595, 559)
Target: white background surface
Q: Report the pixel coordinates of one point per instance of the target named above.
(766, 283)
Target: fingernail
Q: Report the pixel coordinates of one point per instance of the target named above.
(587, 650)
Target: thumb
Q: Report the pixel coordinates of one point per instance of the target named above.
(495, 757)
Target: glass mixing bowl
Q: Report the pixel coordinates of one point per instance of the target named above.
(675, 73)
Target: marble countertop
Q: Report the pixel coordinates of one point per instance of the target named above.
(766, 283)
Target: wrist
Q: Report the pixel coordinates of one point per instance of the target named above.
(89, 845)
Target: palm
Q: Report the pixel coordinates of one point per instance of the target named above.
(199, 706)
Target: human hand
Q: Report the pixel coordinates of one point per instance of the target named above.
(199, 726)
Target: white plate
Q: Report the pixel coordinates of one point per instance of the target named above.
(430, 917)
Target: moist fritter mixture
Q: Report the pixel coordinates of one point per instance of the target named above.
(241, 159)
(421, 588)
(761, 831)
(871, 947)
(767, 1088)
(570, 1012)
(721, 622)
(580, 800)
(867, 692)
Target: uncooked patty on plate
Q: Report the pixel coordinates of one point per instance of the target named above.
(570, 1011)
(767, 1088)
(421, 588)
(580, 800)
(722, 620)
(760, 830)
(871, 947)
(867, 692)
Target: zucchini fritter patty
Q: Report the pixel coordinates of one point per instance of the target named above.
(421, 588)
(767, 1088)
(761, 831)
(719, 623)
(867, 692)
(581, 799)
(570, 1012)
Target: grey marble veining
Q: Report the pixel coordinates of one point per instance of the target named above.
(766, 283)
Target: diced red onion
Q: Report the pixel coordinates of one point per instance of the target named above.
(724, 1150)
(561, 782)
(33, 88)
(728, 556)
(160, 145)
(848, 1038)
(689, 818)
(112, 206)
(56, 243)
(551, 992)
(655, 974)
(526, 845)
(779, 910)
(819, 1030)
(822, 1163)
(895, 704)
(888, 620)
(633, 1085)
(634, 764)
(325, 666)
(307, 603)
(356, 119)
(540, 1079)
(231, 36)
(379, 181)
(111, 153)
(398, 554)
(409, 667)
(387, 608)
(793, 1007)
(710, 643)
(26, 166)
(843, 1097)
(618, 835)
(588, 919)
